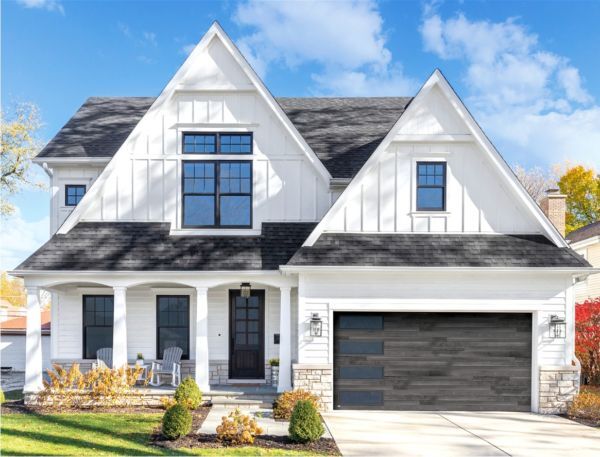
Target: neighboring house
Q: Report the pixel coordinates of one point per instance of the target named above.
(380, 247)
(586, 242)
(12, 341)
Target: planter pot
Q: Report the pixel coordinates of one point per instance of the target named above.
(274, 376)
(139, 362)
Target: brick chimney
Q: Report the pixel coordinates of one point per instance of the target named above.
(554, 206)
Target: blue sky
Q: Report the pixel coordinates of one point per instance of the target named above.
(529, 71)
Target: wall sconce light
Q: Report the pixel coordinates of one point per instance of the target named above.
(245, 289)
(316, 325)
(558, 327)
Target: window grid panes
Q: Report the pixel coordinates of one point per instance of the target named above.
(431, 186)
(97, 324)
(73, 194)
(217, 143)
(173, 323)
(217, 194)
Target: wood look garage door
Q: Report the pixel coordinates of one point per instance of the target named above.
(432, 361)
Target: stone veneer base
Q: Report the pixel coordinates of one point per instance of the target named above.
(558, 387)
(315, 378)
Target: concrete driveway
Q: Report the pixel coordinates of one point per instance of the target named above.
(393, 433)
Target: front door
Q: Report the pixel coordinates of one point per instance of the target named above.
(247, 335)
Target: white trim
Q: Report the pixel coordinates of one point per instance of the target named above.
(437, 79)
(584, 243)
(444, 138)
(72, 160)
(535, 372)
(215, 31)
(300, 268)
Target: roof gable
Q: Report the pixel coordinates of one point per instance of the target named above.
(419, 121)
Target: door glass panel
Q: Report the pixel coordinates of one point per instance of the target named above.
(253, 314)
(240, 338)
(253, 338)
(240, 326)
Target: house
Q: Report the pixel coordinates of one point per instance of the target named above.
(12, 340)
(379, 247)
(586, 242)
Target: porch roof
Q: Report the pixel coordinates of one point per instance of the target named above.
(436, 250)
(148, 246)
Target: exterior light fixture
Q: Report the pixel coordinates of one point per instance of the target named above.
(245, 289)
(316, 325)
(558, 327)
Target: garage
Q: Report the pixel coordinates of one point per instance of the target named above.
(432, 361)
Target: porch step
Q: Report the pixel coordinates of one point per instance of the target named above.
(240, 403)
(262, 397)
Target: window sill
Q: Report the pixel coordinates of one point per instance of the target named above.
(215, 231)
(429, 213)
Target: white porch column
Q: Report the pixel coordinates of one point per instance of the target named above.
(201, 343)
(33, 342)
(120, 327)
(285, 340)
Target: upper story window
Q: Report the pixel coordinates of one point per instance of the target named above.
(217, 194)
(431, 186)
(73, 194)
(217, 143)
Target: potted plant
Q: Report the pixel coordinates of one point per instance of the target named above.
(274, 363)
(140, 359)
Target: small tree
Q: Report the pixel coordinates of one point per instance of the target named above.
(535, 181)
(587, 339)
(305, 424)
(18, 146)
(582, 187)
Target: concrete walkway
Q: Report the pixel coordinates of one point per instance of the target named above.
(389, 433)
(264, 418)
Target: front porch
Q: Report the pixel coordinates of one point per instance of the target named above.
(227, 340)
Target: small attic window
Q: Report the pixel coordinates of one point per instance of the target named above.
(73, 194)
(199, 143)
(217, 143)
(431, 186)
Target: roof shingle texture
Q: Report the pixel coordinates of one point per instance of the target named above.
(435, 250)
(343, 132)
(584, 233)
(147, 246)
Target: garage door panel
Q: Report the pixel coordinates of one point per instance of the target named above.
(432, 361)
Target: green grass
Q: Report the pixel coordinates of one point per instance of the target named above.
(96, 434)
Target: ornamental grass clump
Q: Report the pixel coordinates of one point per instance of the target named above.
(188, 394)
(176, 422)
(238, 428)
(586, 405)
(305, 424)
(284, 405)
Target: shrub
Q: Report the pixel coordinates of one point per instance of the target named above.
(167, 402)
(284, 405)
(305, 424)
(237, 428)
(176, 422)
(188, 394)
(587, 339)
(2, 397)
(274, 362)
(586, 405)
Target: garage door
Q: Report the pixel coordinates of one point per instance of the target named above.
(432, 361)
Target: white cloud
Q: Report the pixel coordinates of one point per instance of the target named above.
(531, 100)
(150, 38)
(50, 5)
(344, 39)
(187, 49)
(20, 238)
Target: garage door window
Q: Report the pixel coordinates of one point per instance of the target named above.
(360, 397)
(361, 372)
(360, 347)
(361, 322)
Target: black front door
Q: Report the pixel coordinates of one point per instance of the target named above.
(247, 335)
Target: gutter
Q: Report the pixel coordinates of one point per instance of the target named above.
(584, 271)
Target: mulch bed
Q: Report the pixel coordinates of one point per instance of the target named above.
(18, 407)
(583, 421)
(322, 446)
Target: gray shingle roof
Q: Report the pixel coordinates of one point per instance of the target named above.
(584, 233)
(98, 128)
(343, 132)
(435, 250)
(146, 246)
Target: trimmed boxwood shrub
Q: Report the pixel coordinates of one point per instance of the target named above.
(305, 424)
(176, 422)
(188, 394)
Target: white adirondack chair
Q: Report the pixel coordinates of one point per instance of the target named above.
(103, 358)
(170, 366)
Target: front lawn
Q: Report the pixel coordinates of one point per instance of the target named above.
(96, 434)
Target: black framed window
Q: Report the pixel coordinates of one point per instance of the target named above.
(73, 194)
(217, 143)
(173, 324)
(431, 186)
(217, 194)
(97, 324)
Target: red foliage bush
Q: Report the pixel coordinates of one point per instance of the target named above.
(587, 339)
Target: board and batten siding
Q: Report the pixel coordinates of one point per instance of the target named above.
(141, 320)
(324, 293)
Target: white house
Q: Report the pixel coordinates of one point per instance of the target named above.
(394, 261)
(586, 242)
